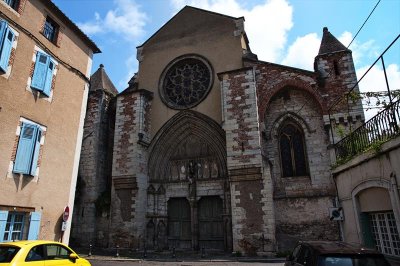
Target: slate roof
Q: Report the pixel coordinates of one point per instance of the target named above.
(100, 81)
(329, 43)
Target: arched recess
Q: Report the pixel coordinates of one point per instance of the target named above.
(374, 183)
(273, 131)
(186, 138)
(278, 88)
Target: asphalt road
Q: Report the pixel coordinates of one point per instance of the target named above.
(179, 263)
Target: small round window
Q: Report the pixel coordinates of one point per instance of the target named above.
(185, 82)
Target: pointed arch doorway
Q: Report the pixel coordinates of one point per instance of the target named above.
(188, 158)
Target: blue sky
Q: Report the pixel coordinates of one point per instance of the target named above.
(281, 31)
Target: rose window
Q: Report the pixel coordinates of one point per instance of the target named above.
(186, 82)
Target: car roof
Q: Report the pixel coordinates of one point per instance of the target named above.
(28, 243)
(338, 247)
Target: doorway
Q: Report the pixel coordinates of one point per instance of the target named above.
(211, 232)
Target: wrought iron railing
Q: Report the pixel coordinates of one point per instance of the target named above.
(372, 134)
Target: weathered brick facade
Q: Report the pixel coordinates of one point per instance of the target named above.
(91, 217)
(212, 161)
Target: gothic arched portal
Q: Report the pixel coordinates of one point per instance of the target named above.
(188, 159)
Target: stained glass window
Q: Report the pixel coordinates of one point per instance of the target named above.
(186, 83)
(292, 151)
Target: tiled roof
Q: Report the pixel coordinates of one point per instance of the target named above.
(329, 43)
(100, 81)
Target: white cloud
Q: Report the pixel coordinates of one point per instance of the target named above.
(361, 51)
(91, 27)
(125, 19)
(302, 52)
(131, 64)
(266, 24)
(375, 81)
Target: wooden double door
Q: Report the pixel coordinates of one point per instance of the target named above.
(197, 225)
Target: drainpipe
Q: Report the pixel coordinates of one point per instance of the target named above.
(337, 204)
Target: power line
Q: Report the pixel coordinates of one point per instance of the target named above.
(364, 23)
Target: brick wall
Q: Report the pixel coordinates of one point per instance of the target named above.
(251, 197)
(300, 203)
(94, 170)
(129, 175)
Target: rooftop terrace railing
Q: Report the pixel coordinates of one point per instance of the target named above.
(372, 134)
(377, 130)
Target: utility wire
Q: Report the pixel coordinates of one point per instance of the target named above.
(358, 81)
(44, 47)
(364, 23)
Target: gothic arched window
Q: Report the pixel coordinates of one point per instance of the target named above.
(292, 151)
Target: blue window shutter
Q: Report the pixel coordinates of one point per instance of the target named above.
(6, 49)
(3, 27)
(26, 146)
(36, 151)
(3, 222)
(40, 71)
(49, 78)
(34, 226)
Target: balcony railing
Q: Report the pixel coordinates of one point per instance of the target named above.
(372, 134)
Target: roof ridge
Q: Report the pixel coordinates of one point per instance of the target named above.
(180, 11)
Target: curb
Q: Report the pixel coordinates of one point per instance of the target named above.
(188, 259)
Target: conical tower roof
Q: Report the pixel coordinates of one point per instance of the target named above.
(329, 43)
(100, 81)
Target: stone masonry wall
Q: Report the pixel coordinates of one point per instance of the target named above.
(83, 224)
(251, 197)
(129, 185)
(301, 203)
(94, 171)
(345, 115)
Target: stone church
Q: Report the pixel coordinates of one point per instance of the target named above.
(209, 147)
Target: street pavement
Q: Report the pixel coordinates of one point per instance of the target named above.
(178, 263)
(125, 257)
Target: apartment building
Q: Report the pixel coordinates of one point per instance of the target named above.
(45, 63)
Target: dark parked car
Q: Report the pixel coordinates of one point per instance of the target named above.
(324, 253)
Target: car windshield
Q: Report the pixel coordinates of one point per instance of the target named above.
(352, 260)
(7, 253)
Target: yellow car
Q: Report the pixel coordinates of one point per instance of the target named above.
(38, 253)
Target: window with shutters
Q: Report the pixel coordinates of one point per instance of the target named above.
(43, 73)
(14, 226)
(50, 29)
(7, 37)
(19, 225)
(27, 155)
(292, 150)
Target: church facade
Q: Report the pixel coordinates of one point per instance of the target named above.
(209, 147)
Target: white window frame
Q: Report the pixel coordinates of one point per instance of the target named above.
(22, 120)
(386, 236)
(29, 82)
